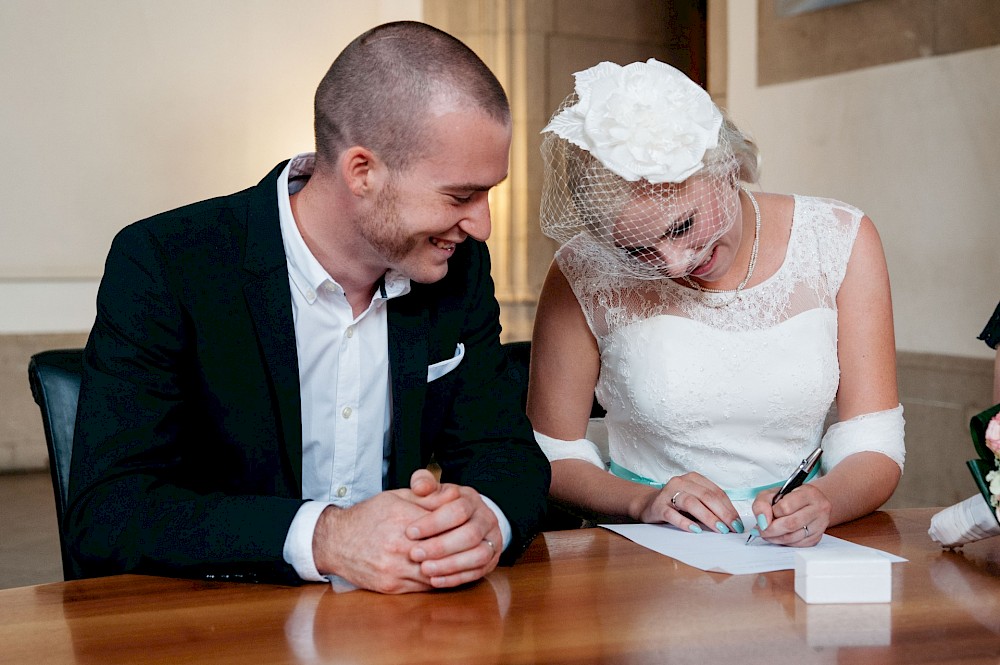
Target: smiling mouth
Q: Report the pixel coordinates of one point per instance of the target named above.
(705, 265)
(443, 244)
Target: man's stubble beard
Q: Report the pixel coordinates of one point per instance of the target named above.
(382, 227)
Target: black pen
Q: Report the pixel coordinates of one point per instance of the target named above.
(796, 479)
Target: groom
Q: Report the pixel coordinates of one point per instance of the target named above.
(271, 372)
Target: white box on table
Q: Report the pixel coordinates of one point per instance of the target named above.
(842, 577)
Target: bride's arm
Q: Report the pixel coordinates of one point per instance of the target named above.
(866, 348)
(565, 364)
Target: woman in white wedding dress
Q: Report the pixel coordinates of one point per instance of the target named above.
(717, 326)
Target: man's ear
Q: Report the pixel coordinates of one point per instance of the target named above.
(362, 170)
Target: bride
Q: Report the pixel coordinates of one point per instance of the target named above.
(718, 326)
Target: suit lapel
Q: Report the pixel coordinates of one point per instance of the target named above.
(408, 327)
(270, 303)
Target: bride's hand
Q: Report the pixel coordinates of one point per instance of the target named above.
(798, 519)
(689, 499)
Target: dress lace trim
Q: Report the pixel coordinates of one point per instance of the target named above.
(823, 232)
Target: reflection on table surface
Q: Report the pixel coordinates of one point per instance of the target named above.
(586, 596)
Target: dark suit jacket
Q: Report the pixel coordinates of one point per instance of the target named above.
(187, 458)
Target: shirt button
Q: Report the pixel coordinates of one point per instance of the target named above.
(310, 294)
(341, 491)
(346, 412)
(350, 332)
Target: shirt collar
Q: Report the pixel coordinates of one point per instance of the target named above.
(305, 271)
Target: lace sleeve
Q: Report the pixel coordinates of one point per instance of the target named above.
(577, 267)
(991, 333)
(836, 240)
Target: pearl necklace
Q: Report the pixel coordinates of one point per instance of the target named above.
(753, 260)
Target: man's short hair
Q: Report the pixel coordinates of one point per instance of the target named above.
(379, 89)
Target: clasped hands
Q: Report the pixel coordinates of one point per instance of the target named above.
(691, 500)
(431, 535)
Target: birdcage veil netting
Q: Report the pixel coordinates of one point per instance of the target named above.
(638, 190)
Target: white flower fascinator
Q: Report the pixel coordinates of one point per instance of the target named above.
(640, 172)
(645, 120)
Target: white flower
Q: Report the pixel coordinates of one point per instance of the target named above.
(646, 120)
(993, 478)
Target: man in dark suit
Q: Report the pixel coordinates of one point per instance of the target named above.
(271, 372)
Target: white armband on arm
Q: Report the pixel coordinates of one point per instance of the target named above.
(582, 449)
(879, 432)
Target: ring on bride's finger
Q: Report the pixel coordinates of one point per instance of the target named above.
(673, 499)
(806, 529)
(493, 548)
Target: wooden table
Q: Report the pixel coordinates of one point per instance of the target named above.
(587, 596)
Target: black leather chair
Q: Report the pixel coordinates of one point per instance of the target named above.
(55, 384)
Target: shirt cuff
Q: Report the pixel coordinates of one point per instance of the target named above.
(298, 550)
(505, 531)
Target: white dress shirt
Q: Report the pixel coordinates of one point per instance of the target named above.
(343, 381)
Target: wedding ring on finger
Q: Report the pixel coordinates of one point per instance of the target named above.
(806, 529)
(673, 499)
(493, 549)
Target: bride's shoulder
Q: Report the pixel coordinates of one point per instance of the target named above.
(776, 213)
(776, 209)
(827, 210)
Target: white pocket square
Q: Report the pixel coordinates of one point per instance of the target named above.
(437, 370)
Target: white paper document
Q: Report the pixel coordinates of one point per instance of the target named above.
(726, 552)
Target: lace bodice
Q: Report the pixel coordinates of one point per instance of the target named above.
(738, 393)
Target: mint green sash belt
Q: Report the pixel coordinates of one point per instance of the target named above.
(740, 494)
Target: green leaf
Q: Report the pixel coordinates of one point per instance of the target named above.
(978, 426)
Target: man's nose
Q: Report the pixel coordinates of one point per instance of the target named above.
(476, 222)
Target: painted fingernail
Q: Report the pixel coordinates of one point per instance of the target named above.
(721, 528)
(738, 526)
(694, 528)
(762, 522)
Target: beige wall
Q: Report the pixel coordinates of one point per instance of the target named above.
(914, 143)
(117, 110)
